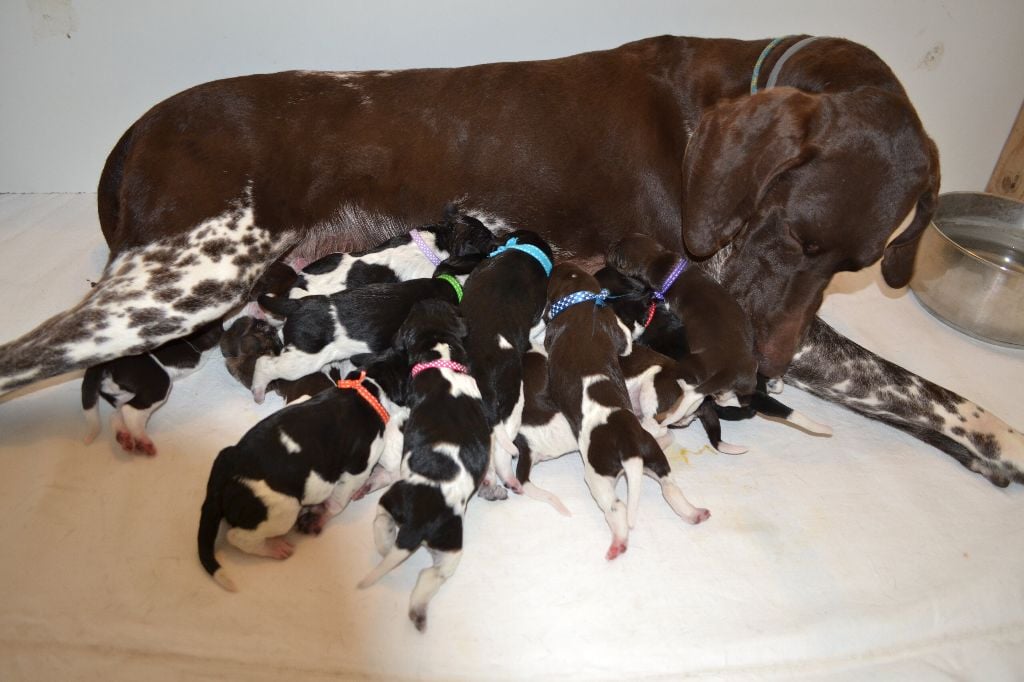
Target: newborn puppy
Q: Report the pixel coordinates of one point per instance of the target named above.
(662, 390)
(446, 450)
(137, 385)
(721, 341)
(301, 464)
(409, 256)
(245, 341)
(584, 341)
(319, 330)
(504, 299)
(544, 432)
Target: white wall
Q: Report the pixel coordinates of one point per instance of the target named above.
(75, 74)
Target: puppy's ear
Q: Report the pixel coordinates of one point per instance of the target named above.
(740, 148)
(459, 327)
(361, 360)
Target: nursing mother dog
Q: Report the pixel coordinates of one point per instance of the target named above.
(774, 164)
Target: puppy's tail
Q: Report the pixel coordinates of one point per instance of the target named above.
(278, 305)
(390, 562)
(209, 521)
(90, 401)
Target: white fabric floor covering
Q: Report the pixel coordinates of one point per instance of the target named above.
(867, 555)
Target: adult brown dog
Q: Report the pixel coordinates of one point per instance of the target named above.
(777, 190)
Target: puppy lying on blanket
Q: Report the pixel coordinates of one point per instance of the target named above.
(446, 450)
(584, 341)
(319, 330)
(307, 458)
(137, 385)
(504, 298)
(409, 256)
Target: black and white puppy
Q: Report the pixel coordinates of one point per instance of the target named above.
(320, 330)
(246, 340)
(445, 455)
(414, 255)
(584, 340)
(301, 464)
(504, 299)
(137, 385)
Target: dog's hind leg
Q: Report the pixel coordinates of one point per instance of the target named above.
(835, 368)
(429, 582)
(657, 467)
(602, 488)
(148, 295)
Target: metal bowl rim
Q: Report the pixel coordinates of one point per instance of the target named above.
(964, 249)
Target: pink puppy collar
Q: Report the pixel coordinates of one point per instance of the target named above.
(439, 364)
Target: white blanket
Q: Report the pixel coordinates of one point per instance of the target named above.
(867, 555)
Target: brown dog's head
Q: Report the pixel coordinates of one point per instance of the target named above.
(804, 186)
(566, 278)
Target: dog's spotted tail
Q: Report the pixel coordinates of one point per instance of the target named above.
(209, 520)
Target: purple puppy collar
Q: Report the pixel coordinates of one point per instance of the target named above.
(659, 293)
(425, 247)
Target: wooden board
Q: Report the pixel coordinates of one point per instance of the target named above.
(1008, 176)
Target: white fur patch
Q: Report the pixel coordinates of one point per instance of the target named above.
(289, 444)
(316, 489)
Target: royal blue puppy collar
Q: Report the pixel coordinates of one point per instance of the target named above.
(562, 304)
(530, 249)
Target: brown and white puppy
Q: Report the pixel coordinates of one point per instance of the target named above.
(720, 358)
(138, 385)
(300, 465)
(445, 455)
(246, 340)
(584, 341)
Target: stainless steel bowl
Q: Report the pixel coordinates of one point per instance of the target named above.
(969, 270)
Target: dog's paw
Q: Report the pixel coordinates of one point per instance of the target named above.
(419, 619)
(700, 516)
(145, 446)
(617, 548)
(125, 440)
(311, 520)
(492, 492)
(279, 548)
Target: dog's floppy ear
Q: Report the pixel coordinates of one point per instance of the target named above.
(898, 257)
(739, 149)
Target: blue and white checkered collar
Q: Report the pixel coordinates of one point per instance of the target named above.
(566, 302)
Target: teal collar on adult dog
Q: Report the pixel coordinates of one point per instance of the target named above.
(773, 77)
(539, 255)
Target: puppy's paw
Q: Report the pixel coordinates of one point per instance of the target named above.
(492, 492)
(279, 548)
(700, 516)
(145, 446)
(419, 619)
(311, 520)
(125, 440)
(617, 547)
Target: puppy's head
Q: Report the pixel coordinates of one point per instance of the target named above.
(246, 340)
(428, 324)
(457, 266)
(567, 278)
(635, 254)
(462, 234)
(389, 369)
(278, 279)
(631, 300)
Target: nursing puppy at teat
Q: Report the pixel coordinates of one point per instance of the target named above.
(408, 256)
(719, 359)
(300, 465)
(584, 341)
(445, 455)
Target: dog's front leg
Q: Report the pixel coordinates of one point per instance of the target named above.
(835, 368)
